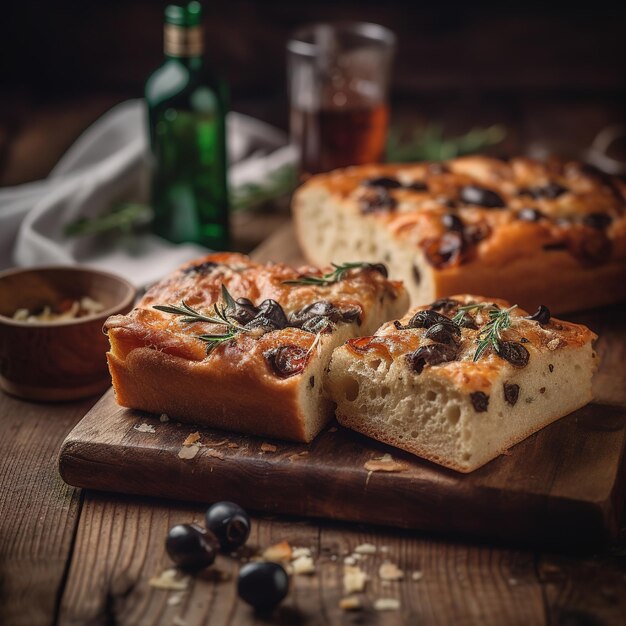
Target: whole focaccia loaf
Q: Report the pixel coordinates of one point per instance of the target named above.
(233, 344)
(528, 231)
(460, 381)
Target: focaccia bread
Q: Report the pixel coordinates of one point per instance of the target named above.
(260, 370)
(463, 379)
(527, 231)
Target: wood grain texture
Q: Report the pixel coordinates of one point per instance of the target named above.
(120, 545)
(39, 512)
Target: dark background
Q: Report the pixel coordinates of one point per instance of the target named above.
(553, 73)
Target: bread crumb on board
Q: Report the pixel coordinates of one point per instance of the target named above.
(188, 452)
(170, 579)
(278, 552)
(164, 417)
(350, 603)
(417, 575)
(365, 548)
(354, 579)
(268, 447)
(144, 428)
(387, 604)
(303, 565)
(385, 463)
(191, 439)
(390, 571)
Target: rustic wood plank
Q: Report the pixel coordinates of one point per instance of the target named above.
(120, 545)
(571, 495)
(589, 592)
(39, 511)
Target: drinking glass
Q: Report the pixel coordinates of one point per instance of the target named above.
(338, 79)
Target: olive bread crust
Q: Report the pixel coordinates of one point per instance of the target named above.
(267, 378)
(528, 231)
(460, 381)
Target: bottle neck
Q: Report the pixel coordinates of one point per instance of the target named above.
(183, 42)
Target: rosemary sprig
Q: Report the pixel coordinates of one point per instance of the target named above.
(459, 317)
(221, 317)
(124, 217)
(327, 279)
(490, 333)
(429, 143)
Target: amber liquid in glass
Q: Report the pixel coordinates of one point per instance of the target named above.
(332, 138)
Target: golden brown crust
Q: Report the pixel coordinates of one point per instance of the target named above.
(392, 343)
(493, 222)
(158, 364)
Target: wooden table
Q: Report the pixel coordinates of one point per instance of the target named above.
(83, 558)
(73, 558)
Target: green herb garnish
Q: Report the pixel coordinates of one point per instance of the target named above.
(221, 317)
(428, 143)
(330, 278)
(490, 335)
(125, 217)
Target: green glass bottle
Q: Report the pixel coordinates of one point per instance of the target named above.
(187, 120)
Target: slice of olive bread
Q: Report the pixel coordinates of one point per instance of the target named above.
(460, 381)
(229, 343)
(530, 231)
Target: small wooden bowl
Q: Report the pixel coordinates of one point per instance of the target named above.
(59, 360)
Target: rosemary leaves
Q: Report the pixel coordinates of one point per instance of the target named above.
(221, 317)
(337, 274)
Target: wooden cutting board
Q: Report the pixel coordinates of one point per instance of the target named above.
(562, 486)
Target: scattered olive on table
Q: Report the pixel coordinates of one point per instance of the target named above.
(262, 585)
(229, 523)
(191, 547)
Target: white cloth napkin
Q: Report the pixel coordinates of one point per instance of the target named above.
(105, 165)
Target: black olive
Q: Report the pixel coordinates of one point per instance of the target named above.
(599, 221)
(287, 360)
(318, 324)
(557, 245)
(528, 214)
(452, 222)
(229, 523)
(262, 585)
(381, 268)
(511, 393)
(428, 318)
(417, 276)
(382, 181)
(480, 401)
(513, 352)
(474, 233)
(468, 322)
(200, 268)
(444, 304)
(417, 185)
(190, 547)
(270, 315)
(312, 313)
(243, 312)
(316, 309)
(446, 250)
(473, 194)
(551, 191)
(433, 354)
(541, 315)
(377, 199)
(444, 333)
